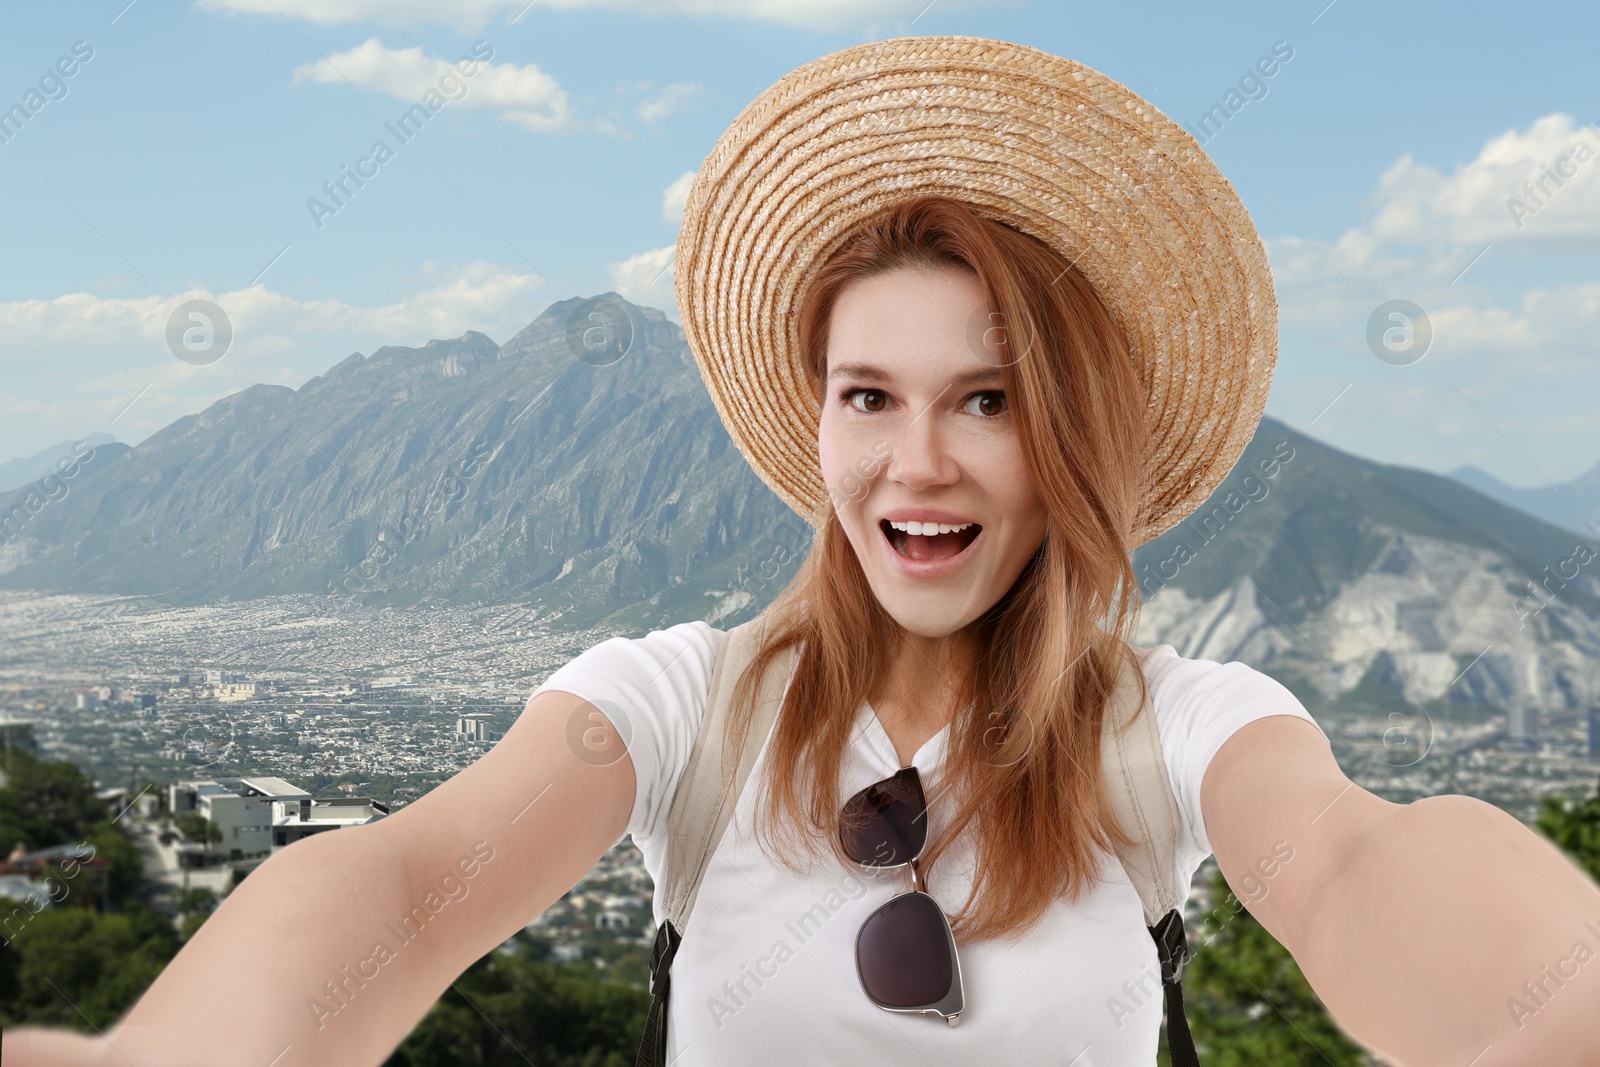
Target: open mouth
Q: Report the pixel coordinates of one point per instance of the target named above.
(929, 547)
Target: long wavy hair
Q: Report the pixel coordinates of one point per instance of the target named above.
(1023, 758)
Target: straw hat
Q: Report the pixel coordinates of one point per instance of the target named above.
(1056, 149)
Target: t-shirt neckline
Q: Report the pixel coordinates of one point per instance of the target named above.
(929, 757)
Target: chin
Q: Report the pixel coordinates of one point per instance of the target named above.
(930, 614)
(922, 628)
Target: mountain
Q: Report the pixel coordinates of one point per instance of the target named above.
(15, 473)
(599, 485)
(581, 469)
(1355, 581)
(1573, 505)
(21, 525)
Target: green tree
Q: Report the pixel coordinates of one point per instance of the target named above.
(195, 906)
(508, 1009)
(81, 969)
(52, 803)
(100, 959)
(47, 803)
(125, 866)
(1574, 826)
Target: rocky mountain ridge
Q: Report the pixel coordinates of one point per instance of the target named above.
(580, 469)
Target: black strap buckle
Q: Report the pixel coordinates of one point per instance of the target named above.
(1172, 945)
(661, 953)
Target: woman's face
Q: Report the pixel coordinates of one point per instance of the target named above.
(915, 426)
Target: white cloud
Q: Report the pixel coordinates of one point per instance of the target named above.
(524, 95)
(474, 14)
(479, 296)
(669, 101)
(1437, 239)
(1539, 185)
(1553, 330)
(676, 196)
(119, 350)
(1526, 192)
(463, 14)
(647, 279)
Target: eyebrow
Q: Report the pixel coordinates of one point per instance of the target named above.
(870, 372)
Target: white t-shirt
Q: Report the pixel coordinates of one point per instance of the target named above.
(766, 972)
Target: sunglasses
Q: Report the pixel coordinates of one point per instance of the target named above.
(905, 952)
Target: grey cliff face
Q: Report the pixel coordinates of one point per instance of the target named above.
(548, 468)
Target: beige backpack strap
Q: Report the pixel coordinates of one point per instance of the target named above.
(701, 810)
(1141, 796)
(702, 806)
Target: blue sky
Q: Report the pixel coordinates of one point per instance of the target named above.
(177, 160)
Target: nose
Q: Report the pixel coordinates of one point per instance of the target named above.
(919, 456)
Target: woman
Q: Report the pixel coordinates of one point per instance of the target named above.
(955, 282)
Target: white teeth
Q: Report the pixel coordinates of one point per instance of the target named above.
(927, 529)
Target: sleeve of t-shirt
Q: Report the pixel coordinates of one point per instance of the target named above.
(1199, 704)
(653, 689)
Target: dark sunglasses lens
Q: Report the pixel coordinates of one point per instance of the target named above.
(904, 953)
(886, 824)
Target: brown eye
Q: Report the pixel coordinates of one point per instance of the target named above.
(849, 396)
(994, 401)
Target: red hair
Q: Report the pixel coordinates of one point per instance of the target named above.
(1023, 763)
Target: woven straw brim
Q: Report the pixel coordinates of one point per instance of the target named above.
(1056, 149)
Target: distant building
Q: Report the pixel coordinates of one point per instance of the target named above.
(146, 805)
(25, 890)
(115, 798)
(474, 729)
(265, 814)
(294, 819)
(86, 700)
(1594, 733)
(147, 700)
(1524, 722)
(228, 692)
(84, 874)
(242, 808)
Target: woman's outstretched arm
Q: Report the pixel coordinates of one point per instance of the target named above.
(1421, 926)
(334, 949)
